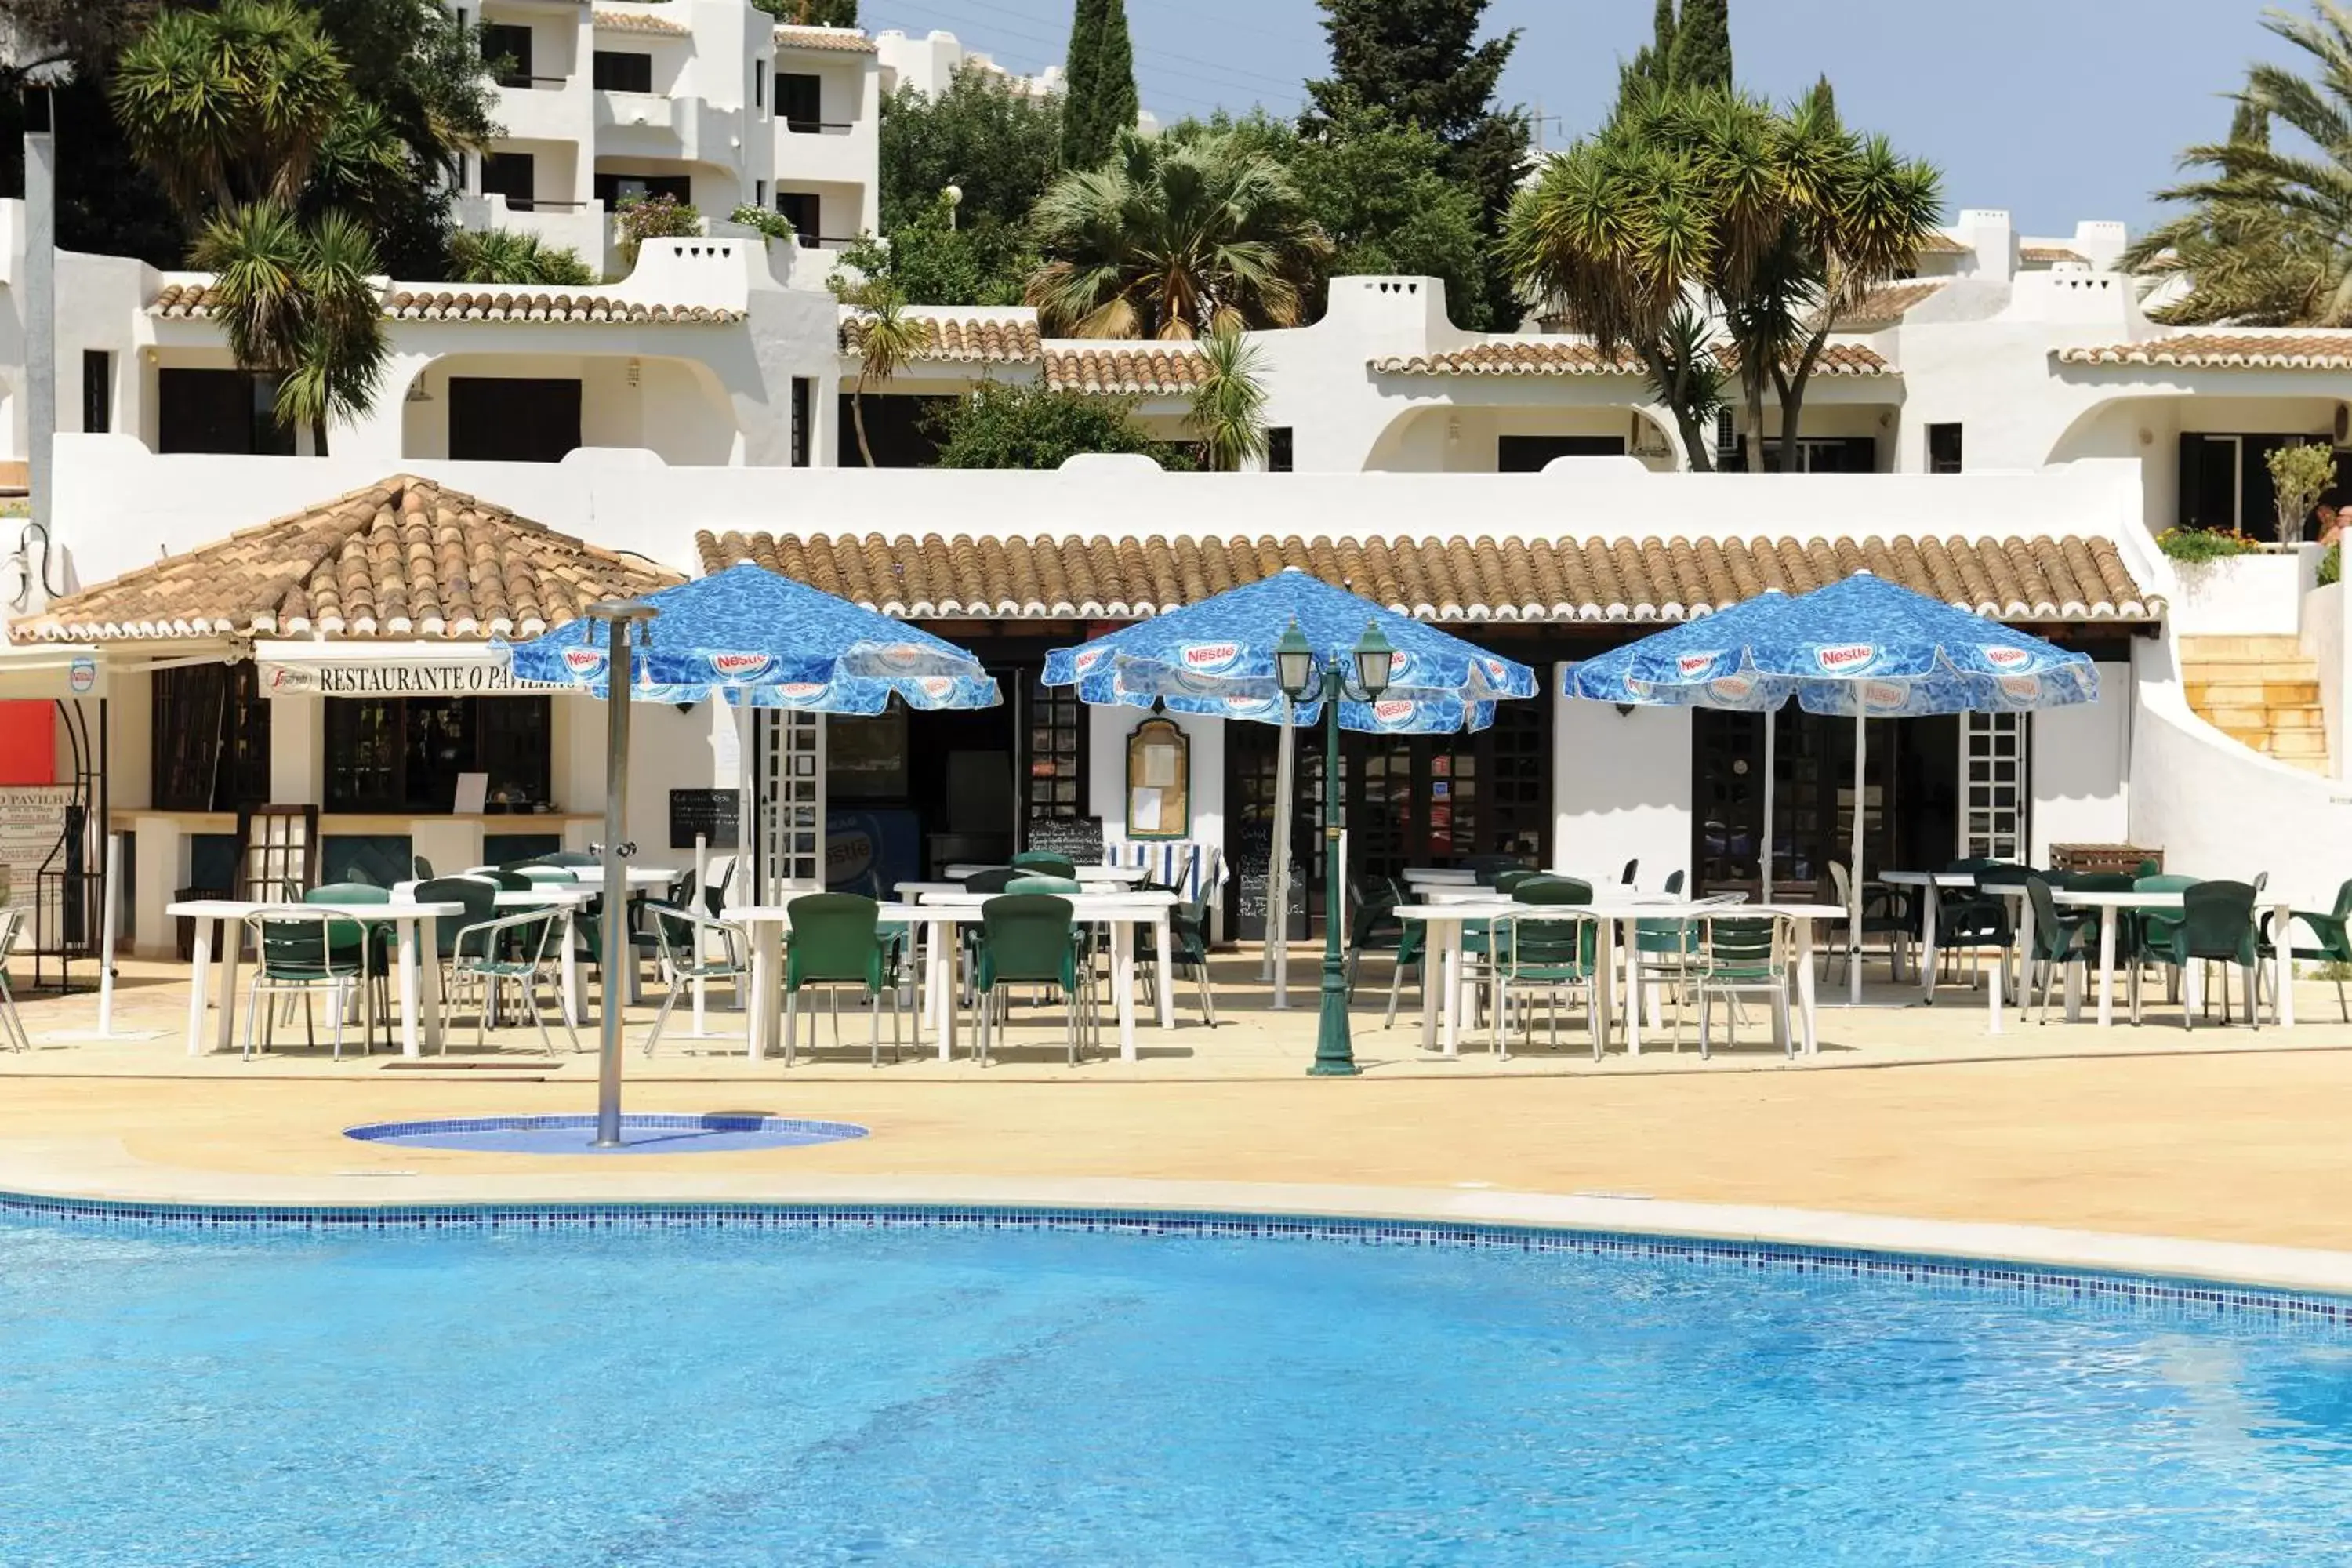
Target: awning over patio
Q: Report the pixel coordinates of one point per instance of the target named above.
(403, 558)
(2043, 579)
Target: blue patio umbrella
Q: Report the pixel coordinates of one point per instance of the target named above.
(748, 634)
(1863, 647)
(1217, 657)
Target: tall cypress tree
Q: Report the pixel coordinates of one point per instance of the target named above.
(1655, 63)
(1423, 63)
(1702, 54)
(1100, 101)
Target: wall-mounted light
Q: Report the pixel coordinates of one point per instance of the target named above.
(1625, 710)
(418, 392)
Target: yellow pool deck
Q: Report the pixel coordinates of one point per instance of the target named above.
(2226, 1153)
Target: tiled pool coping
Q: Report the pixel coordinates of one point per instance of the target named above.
(2191, 1297)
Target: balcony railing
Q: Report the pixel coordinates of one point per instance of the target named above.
(539, 203)
(820, 126)
(532, 80)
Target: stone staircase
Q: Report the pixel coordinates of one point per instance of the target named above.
(2260, 691)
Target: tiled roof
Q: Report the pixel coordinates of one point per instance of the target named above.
(633, 22)
(1132, 373)
(195, 301)
(1529, 356)
(2226, 351)
(974, 338)
(404, 558)
(1944, 245)
(1837, 359)
(484, 304)
(1568, 580)
(1885, 305)
(2050, 253)
(839, 40)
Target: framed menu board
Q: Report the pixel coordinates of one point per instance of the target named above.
(1159, 781)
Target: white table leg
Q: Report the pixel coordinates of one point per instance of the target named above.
(949, 958)
(2025, 938)
(1805, 1007)
(2107, 924)
(1432, 936)
(428, 948)
(571, 972)
(2283, 970)
(412, 1038)
(1122, 984)
(1993, 993)
(939, 997)
(1452, 987)
(767, 952)
(1160, 931)
(197, 971)
(1927, 942)
(1604, 989)
(232, 951)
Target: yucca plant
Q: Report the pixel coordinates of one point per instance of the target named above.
(511, 255)
(886, 339)
(1228, 411)
(300, 301)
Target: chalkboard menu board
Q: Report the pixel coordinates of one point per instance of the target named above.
(1253, 860)
(1079, 839)
(712, 812)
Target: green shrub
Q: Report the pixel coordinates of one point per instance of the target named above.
(2331, 565)
(641, 218)
(774, 225)
(2195, 545)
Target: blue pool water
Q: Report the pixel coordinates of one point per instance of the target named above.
(651, 1132)
(496, 1397)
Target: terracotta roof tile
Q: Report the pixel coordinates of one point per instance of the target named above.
(1132, 373)
(1837, 359)
(404, 558)
(837, 40)
(991, 339)
(1516, 356)
(2039, 579)
(182, 301)
(2050, 253)
(1885, 305)
(2226, 351)
(1941, 244)
(637, 22)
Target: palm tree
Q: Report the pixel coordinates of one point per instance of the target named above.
(886, 339)
(300, 302)
(1169, 240)
(230, 106)
(511, 255)
(1229, 405)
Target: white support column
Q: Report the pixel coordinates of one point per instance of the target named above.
(160, 852)
(297, 751)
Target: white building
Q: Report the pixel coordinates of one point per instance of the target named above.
(2006, 430)
(929, 64)
(706, 100)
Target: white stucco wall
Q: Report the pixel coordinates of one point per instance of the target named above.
(2244, 596)
(2324, 644)
(1621, 788)
(2080, 759)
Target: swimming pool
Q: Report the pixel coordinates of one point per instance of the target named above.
(509, 1395)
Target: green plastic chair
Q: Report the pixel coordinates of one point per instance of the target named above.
(836, 941)
(1372, 922)
(2058, 938)
(2215, 924)
(520, 947)
(1740, 953)
(1556, 954)
(1510, 882)
(1661, 952)
(2334, 946)
(2144, 936)
(302, 950)
(1060, 886)
(1030, 939)
(994, 881)
(1046, 863)
(1188, 935)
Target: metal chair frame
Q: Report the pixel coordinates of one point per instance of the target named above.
(332, 976)
(528, 966)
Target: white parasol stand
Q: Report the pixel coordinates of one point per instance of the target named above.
(1277, 875)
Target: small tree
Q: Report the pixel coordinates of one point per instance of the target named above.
(2300, 475)
(510, 256)
(1013, 427)
(886, 339)
(1228, 409)
(642, 218)
(300, 301)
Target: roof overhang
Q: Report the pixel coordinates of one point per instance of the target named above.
(51, 672)
(386, 669)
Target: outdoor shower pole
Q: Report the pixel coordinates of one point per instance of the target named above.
(620, 616)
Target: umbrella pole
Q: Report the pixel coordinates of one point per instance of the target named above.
(618, 619)
(1770, 718)
(1277, 871)
(1853, 883)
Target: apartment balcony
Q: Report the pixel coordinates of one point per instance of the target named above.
(544, 109)
(842, 154)
(649, 125)
(575, 226)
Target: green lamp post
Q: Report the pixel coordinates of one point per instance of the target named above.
(1306, 679)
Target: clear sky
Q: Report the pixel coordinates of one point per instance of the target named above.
(2057, 110)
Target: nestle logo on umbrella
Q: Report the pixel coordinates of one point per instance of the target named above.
(582, 660)
(1392, 715)
(902, 655)
(1696, 663)
(1208, 657)
(801, 691)
(1885, 696)
(1845, 656)
(937, 685)
(1089, 658)
(2006, 657)
(738, 666)
(1732, 688)
(2023, 687)
(1249, 707)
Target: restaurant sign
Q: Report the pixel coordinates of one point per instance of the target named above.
(359, 674)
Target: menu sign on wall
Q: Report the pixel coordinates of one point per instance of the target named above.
(32, 819)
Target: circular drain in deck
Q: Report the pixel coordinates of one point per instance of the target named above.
(643, 1133)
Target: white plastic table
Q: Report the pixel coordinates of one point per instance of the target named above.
(1617, 919)
(1120, 912)
(2282, 962)
(1107, 876)
(1925, 882)
(420, 984)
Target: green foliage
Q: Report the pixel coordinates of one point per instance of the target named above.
(998, 146)
(1654, 64)
(641, 218)
(511, 255)
(937, 262)
(2266, 238)
(1228, 407)
(1098, 103)
(296, 298)
(2202, 544)
(761, 220)
(1702, 50)
(2300, 474)
(1685, 376)
(886, 338)
(2331, 565)
(1020, 426)
(812, 13)
(1170, 239)
(1379, 189)
(1422, 63)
